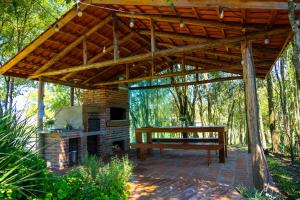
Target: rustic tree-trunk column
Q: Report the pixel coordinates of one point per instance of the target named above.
(259, 166)
(116, 37)
(247, 126)
(72, 92)
(41, 111)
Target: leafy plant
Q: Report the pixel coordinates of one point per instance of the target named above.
(20, 169)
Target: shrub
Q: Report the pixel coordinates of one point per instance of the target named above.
(21, 170)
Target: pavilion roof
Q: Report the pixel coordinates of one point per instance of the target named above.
(53, 55)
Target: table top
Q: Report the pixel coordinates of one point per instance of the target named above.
(182, 129)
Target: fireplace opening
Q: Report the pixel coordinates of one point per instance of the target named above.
(93, 122)
(117, 113)
(118, 147)
(73, 151)
(92, 144)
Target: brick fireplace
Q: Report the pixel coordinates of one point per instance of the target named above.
(100, 127)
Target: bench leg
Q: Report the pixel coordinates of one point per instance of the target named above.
(222, 155)
(141, 153)
(208, 157)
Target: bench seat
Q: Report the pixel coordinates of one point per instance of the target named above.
(143, 147)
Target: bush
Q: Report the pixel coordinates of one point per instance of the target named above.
(21, 169)
(95, 180)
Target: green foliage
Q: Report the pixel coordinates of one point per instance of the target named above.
(252, 194)
(93, 180)
(285, 176)
(20, 169)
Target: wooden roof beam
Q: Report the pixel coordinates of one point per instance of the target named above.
(40, 40)
(168, 52)
(209, 52)
(191, 21)
(200, 82)
(251, 4)
(66, 50)
(158, 76)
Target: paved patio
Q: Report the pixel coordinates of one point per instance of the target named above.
(179, 174)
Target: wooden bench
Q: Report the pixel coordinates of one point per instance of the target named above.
(143, 148)
(219, 143)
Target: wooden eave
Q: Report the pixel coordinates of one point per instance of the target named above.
(59, 51)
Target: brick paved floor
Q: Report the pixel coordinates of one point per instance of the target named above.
(179, 174)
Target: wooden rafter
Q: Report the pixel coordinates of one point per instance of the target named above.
(66, 50)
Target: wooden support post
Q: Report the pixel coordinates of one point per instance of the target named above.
(116, 37)
(41, 113)
(153, 46)
(153, 42)
(127, 73)
(72, 92)
(149, 141)
(221, 138)
(247, 126)
(40, 103)
(259, 166)
(84, 49)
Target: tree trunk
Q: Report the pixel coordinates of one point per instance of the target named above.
(296, 52)
(260, 171)
(272, 124)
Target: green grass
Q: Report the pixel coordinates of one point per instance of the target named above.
(286, 176)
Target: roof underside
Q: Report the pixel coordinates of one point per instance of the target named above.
(45, 50)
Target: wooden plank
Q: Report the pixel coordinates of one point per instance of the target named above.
(187, 140)
(116, 37)
(182, 129)
(117, 123)
(191, 21)
(168, 52)
(178, 146)
(40, 39)
(200, 82)
(254, 4)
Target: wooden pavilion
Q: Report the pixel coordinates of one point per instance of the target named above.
(102, 43)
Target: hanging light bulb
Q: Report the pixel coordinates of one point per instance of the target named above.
(104, 49)
(56, 28)
(267, 40)
(242, 62)
(79, 12)
(181, 24)
(131, 23)
(221, 13)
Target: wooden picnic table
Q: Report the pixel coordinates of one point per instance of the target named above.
(185, 143)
